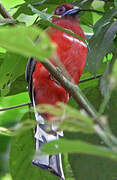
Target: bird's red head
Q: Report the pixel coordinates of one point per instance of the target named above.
(66, 9)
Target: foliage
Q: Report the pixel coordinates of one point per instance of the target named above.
(83, 140)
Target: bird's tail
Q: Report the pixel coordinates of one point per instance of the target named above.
(51, 163)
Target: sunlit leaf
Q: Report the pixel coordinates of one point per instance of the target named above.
(10, 117)
(67, 146)
(23, 40)
(5, 131)
(68, 118)
(27, 19)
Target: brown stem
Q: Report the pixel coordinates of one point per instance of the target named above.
(4, 13)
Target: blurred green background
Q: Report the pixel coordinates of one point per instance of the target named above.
(11, 117)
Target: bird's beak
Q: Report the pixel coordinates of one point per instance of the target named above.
(74, 10)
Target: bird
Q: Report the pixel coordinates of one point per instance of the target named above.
(45, 89)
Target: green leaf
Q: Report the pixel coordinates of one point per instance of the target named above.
(10, 117)
(86, 166)
(4, 144)
(87, 19)
(115, 3)
(42, 15)
(19, 128)
(18, 86)
(108, 57)
(94, 168)
(10, 4)
(104, 20)
(27, 19)
(67, 146)
(99, 45)
(10, 71)
(104, 82)
(108, 82)
(114, 70)
(21, 155)
(68, 118)
(23, 39)
(111, 109)
(109, 5)
(5, 131)
(6, 177)
(67, 168)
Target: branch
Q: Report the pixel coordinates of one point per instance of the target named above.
(17, 106)
(4, 13)
(93, 10)
(71, 88)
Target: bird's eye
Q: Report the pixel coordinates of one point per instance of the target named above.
(60, 10)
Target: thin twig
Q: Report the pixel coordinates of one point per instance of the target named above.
(90, 78)
(80, 4)
(17, 106)
(93, 10)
